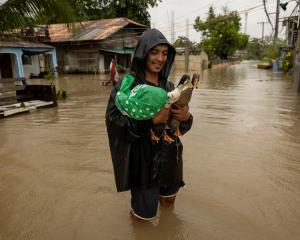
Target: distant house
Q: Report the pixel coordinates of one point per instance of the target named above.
(89, 46)
(20, 59)
(291, 24)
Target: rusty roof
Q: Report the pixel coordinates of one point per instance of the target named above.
(89, 30)
(22, 44)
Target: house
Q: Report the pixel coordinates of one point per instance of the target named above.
(19, 59)
(291, 24)
(89, 46)
(292, 30)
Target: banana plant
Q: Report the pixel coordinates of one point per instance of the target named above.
(16, 14)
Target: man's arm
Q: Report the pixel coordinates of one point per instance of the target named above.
(182, 114)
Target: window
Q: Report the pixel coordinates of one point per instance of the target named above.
(26, 59)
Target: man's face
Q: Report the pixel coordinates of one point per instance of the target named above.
(156, 58)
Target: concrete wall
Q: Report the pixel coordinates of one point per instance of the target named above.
(81, 60)
(197, 63)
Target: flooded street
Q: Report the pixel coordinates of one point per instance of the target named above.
(241, 165)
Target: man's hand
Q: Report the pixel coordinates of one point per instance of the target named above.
(162, 116)
(180, 113)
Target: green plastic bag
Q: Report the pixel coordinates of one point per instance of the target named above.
(142, 102)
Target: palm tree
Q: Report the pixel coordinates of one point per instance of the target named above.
(16, 14)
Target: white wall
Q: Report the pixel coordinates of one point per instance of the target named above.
(101, 64)
(34, 67)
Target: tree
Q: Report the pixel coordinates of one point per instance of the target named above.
(16, 14)
(183, 42)
(221, 36)
(273, 52)
(136, 10)
(255, 48)
(19, 13)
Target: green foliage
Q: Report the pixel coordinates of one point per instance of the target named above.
(271, 51)
(99, 9)
(49, 76)
(183, 42)
(288, 60)
(62, 94)
(221, 36)
(255, 48)
(22, 105)
(264, 50)
(19, 13)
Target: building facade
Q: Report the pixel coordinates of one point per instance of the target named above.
(90, 46)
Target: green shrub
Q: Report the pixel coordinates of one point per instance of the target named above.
(287, 64)
(62, 94)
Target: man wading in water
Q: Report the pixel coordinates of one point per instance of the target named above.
(147, 158)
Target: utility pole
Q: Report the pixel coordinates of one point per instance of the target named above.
(172, 27)
(186, 50)
(276, 22)
(263, 30)
(246, 22)
(186, 60)
(187, 28)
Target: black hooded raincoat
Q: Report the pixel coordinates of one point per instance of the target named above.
(138, 161)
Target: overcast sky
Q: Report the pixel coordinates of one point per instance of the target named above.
(187, 10)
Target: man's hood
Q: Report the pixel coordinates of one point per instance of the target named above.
(149, 39)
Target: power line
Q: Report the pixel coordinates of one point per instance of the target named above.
(180, 26)
(239, 12)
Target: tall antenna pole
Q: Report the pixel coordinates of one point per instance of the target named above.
(187, 28)
(172, 27)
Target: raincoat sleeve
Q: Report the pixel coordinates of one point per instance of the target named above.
(186, 126)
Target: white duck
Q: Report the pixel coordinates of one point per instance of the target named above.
(185, 95)
(183, 85)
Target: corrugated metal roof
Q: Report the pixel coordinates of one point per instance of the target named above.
(118, 50)
(22, 44)
(89, 30)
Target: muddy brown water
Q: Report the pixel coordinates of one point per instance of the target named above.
(241, 165)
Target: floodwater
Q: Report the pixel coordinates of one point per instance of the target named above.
(241, 165)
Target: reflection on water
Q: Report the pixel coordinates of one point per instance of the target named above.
(241, 165)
